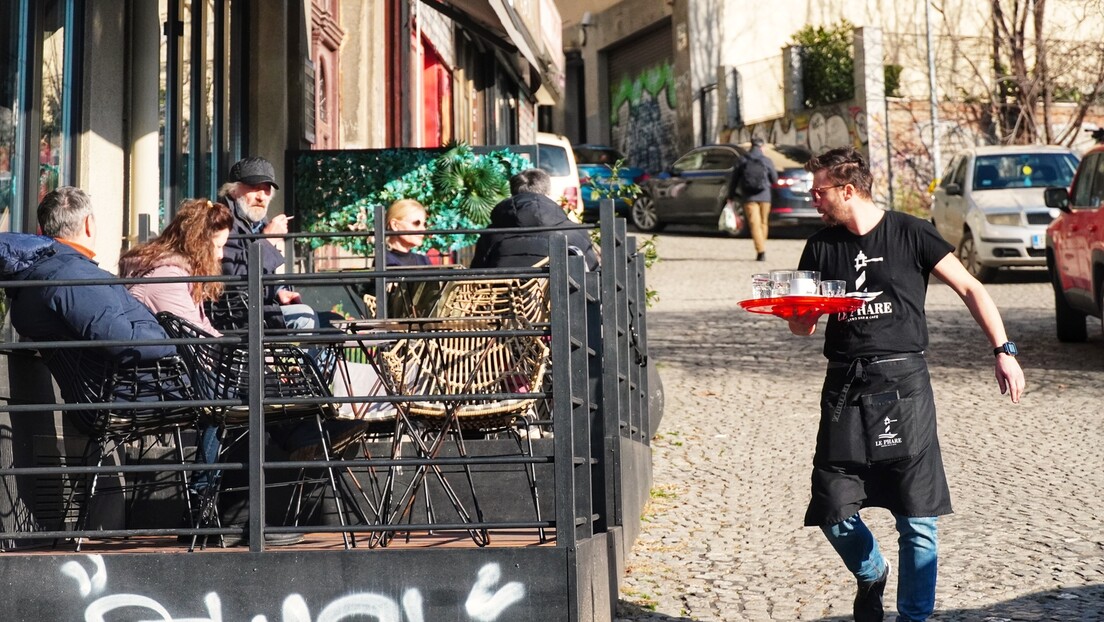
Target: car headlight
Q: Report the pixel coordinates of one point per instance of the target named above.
(1010, 220)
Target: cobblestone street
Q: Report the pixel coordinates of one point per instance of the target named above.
(722, 537)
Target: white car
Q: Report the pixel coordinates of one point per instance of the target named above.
(990, 205)
(556, 157)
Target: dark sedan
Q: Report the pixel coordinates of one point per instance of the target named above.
(693, 189)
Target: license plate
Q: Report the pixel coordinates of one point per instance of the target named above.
(1037, 241)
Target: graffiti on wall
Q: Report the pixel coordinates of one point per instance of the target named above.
(643, 117)
(485, 602)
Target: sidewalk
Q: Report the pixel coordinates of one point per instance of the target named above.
(723, 538)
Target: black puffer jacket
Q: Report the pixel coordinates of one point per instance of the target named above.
(520, 250)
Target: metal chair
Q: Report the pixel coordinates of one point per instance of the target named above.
(84, 377)
(220, 371)
(476, 378)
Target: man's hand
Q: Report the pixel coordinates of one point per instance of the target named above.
(804, 324)
(288, 297)
(1010, 377)
(277, 226)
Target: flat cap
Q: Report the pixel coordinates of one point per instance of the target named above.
(254, 172)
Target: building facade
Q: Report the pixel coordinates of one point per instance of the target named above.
(144, 103)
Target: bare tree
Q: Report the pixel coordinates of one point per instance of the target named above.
(1029, 70)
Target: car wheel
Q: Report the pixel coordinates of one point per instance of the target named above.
(644, 216)
(1069, 322)
(967, 254)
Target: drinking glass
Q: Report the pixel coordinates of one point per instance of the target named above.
(780, 282)
(833, 288)
(760, 285)
(805, 283)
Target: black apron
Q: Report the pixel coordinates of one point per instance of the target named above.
(877, 443)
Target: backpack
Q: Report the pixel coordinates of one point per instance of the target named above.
(753, 176)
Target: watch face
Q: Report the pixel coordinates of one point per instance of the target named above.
(1010, 348)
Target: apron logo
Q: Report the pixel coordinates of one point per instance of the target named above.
(888, 438)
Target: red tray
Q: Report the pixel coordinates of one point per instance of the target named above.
(788, 307)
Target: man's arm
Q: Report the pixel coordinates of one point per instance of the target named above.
(109, 312)
(1010, 377)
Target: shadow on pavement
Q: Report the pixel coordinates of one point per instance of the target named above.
(1075, 604)
(631, 612)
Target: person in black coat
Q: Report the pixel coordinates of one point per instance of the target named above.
(530, 206)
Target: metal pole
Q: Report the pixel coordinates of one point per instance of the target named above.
(934, 99)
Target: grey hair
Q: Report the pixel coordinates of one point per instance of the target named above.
(532, 180)
(225, 189)
(62, 212)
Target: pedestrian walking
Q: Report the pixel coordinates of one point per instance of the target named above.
(751, 182)
(877, 444)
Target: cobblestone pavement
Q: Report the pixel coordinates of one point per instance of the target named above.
(722, 537)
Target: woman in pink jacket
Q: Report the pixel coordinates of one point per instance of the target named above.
(191, 245)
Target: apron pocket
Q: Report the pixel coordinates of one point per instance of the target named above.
(844, 438)
(891, 426)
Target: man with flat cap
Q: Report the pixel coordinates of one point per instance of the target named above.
(248, 192)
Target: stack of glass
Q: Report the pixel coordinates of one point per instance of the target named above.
(778, 283)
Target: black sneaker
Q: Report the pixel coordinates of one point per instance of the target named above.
(241, 538)
(868, 600)
(761, 257)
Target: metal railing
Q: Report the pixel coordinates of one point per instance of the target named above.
(597, 400)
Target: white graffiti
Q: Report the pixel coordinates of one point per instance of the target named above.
(485, 603)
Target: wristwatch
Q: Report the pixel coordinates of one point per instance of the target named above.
(1008, 348)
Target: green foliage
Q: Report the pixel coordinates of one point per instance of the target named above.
(621, 188)
(893, 80)
(339, 191)
(614, 186)
(827, 63)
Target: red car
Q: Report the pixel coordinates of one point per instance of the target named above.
(1075, 248)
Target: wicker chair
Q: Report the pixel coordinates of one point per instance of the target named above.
(221, 372)
(86, 378)
(479, 383)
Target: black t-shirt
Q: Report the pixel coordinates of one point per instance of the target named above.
(399, 258)
(891, 265)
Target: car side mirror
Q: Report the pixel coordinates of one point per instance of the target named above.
(953, 190)
(1057, 197)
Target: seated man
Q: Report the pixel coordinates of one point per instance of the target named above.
(248, 193)
(530, 206)
(73, 312)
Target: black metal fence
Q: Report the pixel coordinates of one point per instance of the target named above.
(592, 463)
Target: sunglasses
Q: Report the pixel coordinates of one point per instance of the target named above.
(819, 192)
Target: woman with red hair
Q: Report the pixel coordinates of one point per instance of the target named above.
(191, 245)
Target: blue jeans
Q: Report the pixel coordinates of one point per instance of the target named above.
(917, 564)
(207, 450)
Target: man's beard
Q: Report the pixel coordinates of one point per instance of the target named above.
(255, 213)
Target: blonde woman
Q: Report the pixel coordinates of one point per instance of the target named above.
(406, 215)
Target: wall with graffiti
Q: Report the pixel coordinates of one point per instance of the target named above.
(296, 587)
(643, 120)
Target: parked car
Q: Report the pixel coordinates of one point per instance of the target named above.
(555, 157)
(1075, 248)
(989, 204)
(694, 189)
(596, 174)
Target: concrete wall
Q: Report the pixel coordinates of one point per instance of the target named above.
(271, 130)
(363, 105)
(102, 161)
